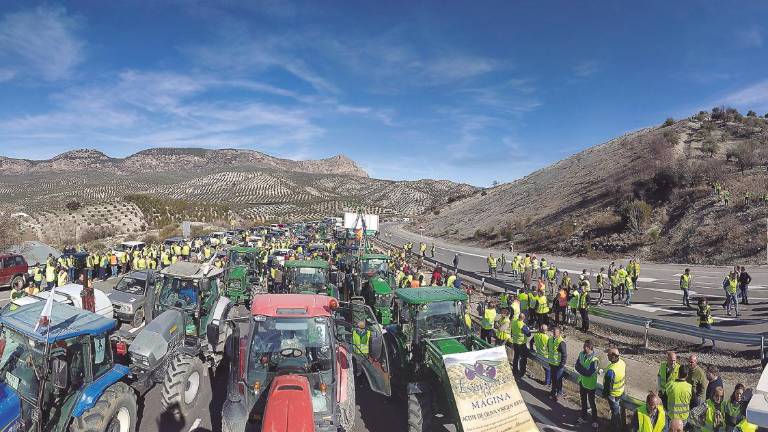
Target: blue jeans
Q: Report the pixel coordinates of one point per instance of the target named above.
(557, 379)
(615, 404)
(731, 302)
(71, 274)
(114, 271)
(629, 297)
(102, 272)
(685, 297)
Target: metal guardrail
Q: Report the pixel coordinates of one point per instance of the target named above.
(749, 339)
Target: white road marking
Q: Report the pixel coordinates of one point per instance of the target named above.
(135, 329)
(647, 279)
(195, 425)
(652, 309)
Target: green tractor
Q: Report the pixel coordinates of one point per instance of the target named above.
(378, 294)
(308, 277)
(241, 274)
(428, 324)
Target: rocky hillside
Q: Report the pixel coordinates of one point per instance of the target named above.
(177, 159)
(650, 193)
(158, 187)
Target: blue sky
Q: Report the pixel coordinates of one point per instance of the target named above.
(468, 91)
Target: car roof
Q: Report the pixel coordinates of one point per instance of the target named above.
(306, 264)
(132, 243)
(188, 270)
(424, 295)
(66, 322)
(374, 256)
(292, 305)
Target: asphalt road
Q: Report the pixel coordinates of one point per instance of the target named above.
(658, 294)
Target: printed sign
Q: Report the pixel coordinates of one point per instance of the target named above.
(486, 394)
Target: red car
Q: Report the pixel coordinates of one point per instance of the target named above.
(13, 271)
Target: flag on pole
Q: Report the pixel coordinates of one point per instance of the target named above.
(45, 315)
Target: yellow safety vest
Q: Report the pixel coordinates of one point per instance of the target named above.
(685, 281)
(501, 334)
(745, 426)
(619, 370)
(62, 278)
(489, 316)
(515, 310)
(468, 320)
(540, 341)
(679, 394)
(516, 332)
(709, 416)
(665, 376)
(644, 420)
(542, 306)
(588, 382)
(360, 342)
(523, 297)
(50, 273)
(732, 285)
(553, 355)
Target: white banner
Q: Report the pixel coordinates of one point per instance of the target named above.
(486, 394)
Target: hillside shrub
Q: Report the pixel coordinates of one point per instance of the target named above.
(636, 214)
(751, 113)
(171, 230)
(710, 146)
(567, 228)
(730, 153)
(654, 234)
(73, 205)
(745, 155)
(507, 231)
(668, 122)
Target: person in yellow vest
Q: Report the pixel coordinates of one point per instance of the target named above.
(152, 263)
(61, 278)
(361, 339)
(613, 386)
(523, 301)
(185, 251)
(450, 280)
(50, 275)
(488, 316)
(71, 268)
(519, 334)
(622, 278)
(31, 289)
(685, 286)
(124, 263)
(141, 263)
(629, 288)
(600, 282)
(712, 418)
(734, 408)
(165, 259)
(218, 262)
(514, 307)
(587, 366)
(491, 265)
(668, 370)
(731, 284)
(679, 395)
(37, 275)
(468, 320)
(650, 417)
(704, 314)
(634, 271)
(542, 308)
(501, 327)
(422, 249)
(207, 252)
(557, 356)
(538, 345)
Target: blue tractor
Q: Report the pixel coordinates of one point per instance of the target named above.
(62, 376)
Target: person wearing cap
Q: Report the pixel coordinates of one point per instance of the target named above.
(613, 385)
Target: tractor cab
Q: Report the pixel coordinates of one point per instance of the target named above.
(379, 296)
(241, 273)
(192, 289)
(53, 371)
(303, 343)
(308, 277)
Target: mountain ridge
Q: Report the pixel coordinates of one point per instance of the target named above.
(177, 158)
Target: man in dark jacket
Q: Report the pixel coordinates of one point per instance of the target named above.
(744, 281)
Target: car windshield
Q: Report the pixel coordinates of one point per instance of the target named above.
(374, 265)
(440, 319)
(300, 345)
(21, 364)
(131, 285)
(177, 292)
(240, 258)
(314, 277)
(384, 300)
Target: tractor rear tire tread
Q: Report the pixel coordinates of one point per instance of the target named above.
(98, 418)
(176, 377)
(419, 413)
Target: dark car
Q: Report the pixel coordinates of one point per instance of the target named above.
(13, 271)
(134, 296)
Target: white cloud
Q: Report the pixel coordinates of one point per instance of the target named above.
(750, 37)
(754, 96)
(585, 68)
(42, 42)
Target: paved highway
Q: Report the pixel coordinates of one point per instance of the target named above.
(658, 294)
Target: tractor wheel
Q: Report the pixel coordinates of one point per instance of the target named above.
(115, 411)
(17, 282)
(138, 318)
(419, 412)
(181, 386)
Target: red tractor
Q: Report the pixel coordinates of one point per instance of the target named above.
(293, 370)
